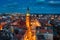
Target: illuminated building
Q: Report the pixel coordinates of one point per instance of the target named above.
(31, 31)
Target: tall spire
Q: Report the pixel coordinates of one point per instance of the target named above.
(28, 13)
(27, 9)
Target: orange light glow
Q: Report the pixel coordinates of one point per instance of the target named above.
(30, 34)
(37, 22)
(0, 27)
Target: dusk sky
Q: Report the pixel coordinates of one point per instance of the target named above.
(35, 6)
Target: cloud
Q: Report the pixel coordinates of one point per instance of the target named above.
(9, 0)
(5, 5)
(40, 0)
(14, 3)
(54, 2)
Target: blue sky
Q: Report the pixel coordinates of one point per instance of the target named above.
(36, 6)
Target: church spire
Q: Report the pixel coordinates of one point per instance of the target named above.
(28, 13)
